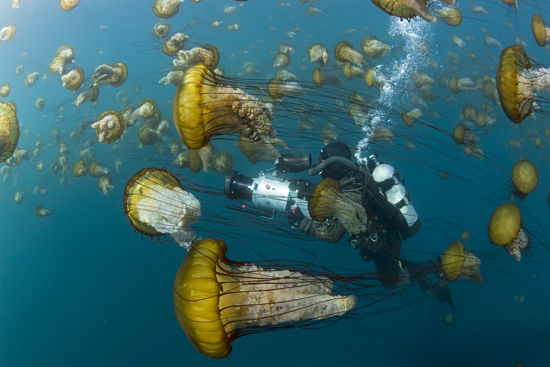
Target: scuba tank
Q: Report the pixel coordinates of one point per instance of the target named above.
(392, 187)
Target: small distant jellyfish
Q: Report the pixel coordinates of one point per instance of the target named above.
(166, 8)
(40, 166)
(5, 90)
(18, 196)
(450, 15)
(457, 41)
(233, 27)
(105, 184)
(161, 29)
(97, 169)
(137, 88)
(311, 10)
(173, 44)
(478, 9)
(281, 60)
(540, 31)
(215, 24)
(68, 4)
(109, 126)
(449, 318)
(344, 51)
(114, 75)
(39, 103)
(467, 137)
(461, 85)
(222, 162)
(229, 9)
(491, 42)
(118, 165)
(31, 78)
(146, 109)
(173, 77)
(7, 33)
(41, 211)
(373, 48)
(318, 53)
(19, 69)
(174, 147)
(79, 169)
(16, 3)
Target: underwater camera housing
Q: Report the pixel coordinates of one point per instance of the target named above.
(269, 192)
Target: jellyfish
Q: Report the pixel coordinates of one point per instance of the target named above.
(114, 75)
(258, 151)
(469, 111)
(222, 162)
(109, 126)
(461, 85)
(92, 94)
(380, 133)
(175, 147)
(281, 60)
(471, 56)
(465, 236)
(373, 48)
(166, 8)
(79, 169)
(216, 23)
(156, 203)
(16, 3)
(467, 137)
(31, 78)
(525, 178)
(19, 69)
(491, 42)
(105, 184)
(278, 88)
(9, 131)
(371, 79)
(207, 55)
(161, 29)
(173, 44)
(63, 147)
(328, 201)
(409, 117)
(7, 33)
(146, 109)
(451, 15)
(233, 27)
(20, 155)
(286, 75)
(40, 166)
(453, 58)
(203, 108)
(457, 262)
(323, 77)
(68, 4)
(318, 53)
(478, 9)
(18, 196)
(419, 79)
(39, 103)
(457, 41)
(5, 90)
(97, 169)
(406, 9)
(229, 9)
(41, 211)
(344, 51)
(284, 48)
(215, 301)
(517, 83)
(540, 31)
(73, 79)
(173, 77)
(505, 229)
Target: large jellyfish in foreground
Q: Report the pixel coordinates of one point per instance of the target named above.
(9, 131)
(156, 203)
(203, 108)
(457, 262)
(109, 126)
(518, 80)
(217, 300)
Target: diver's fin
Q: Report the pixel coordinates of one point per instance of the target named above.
(438, 292)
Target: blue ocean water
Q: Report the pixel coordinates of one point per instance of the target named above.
(79, 287)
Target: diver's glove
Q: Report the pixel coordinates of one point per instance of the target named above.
(295, 216)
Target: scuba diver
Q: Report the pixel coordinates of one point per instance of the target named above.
(377, 187)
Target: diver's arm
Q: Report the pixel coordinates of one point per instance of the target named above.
(325, 231)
